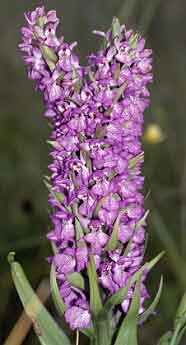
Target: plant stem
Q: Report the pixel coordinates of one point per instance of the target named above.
(77, 337)
(102, 332)
(175, 335)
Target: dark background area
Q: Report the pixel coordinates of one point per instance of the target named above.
(24, 153)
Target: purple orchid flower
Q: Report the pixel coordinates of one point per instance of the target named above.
(96, 114)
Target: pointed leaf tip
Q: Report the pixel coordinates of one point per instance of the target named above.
(113, 243)
(119, 296)
(77, 280)
(60, 197)
(48, 53)
(11, 257)
(116, 28)
(143, 317)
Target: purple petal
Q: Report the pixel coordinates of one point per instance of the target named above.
(77, 317)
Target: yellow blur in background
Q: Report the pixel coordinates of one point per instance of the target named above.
(154, 134)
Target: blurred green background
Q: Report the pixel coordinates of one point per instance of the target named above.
(24, 152)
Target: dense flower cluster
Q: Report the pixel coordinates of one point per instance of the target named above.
(97, 118)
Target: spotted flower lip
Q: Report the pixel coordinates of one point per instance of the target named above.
(96, 113)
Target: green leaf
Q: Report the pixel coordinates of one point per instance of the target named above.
(120, 295)
(134, 161)
(48, 53)
(61, 77)
(180, 335)
(48, 331)
(87, 159)
(117, 71)
(99, 205)
(128, 330)
(47, 178)
(153, 305)
(51, 65)
(53, 143)
(181, 312)
(165, 339)
(91, 76)
(140, 223)
(120, 92)
(47, 184)
(76, 280)
(77, 77)
(100, 131)
(113, 243)
(50, 56)
(95, 298)
(134, 40)
(116, 28)
(79, 230)
(41, 22)
(79, 220)
(112, 175)
(88, 332)
(59, 196)
(56, 296)
(54, 248)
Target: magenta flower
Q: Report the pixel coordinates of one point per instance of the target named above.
(97, 118)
